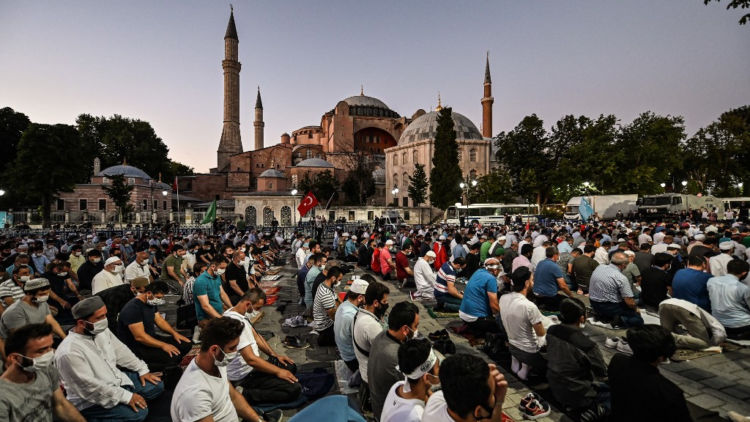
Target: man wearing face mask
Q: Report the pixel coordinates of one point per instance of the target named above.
(342, 323)
(204, 393)
(479, 303)
(325, 306)
(171, 270)
(110, 276)
(236, 278)
(381, 367)
(262, 381)
(386, 260)
(30, 386)
(12, 290)
(406, 399)
(76, 257)
(89, 361)
(367, 326)
(209, 294)
(136, 327)
(31, 309)
(139, 266)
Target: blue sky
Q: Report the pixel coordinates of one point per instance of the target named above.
(161, 61)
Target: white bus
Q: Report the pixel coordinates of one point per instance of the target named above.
(491, 213)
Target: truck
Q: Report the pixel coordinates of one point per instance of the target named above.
(674, 204)
(605, 206)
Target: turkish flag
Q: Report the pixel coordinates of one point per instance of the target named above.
(308, 202)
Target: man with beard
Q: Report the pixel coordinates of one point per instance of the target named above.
(367, 326)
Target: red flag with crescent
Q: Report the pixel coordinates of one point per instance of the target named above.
(308, 202)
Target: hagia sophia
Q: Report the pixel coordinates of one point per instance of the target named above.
(359, 125)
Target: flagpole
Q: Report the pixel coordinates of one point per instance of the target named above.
(177, 188)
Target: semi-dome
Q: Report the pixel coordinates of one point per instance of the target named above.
(425, 127)
(125, 171)
(272, 173)
(314, 162)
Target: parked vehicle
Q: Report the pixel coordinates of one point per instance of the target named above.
(605, 206)
(674, 204)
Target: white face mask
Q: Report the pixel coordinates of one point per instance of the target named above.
(76, 254)
(62, 274)
(97, 327)
(220, 271)
(96, 260)
(24, 278)
(40, 363)
(228, 357)
(41, 299)
(156, 301)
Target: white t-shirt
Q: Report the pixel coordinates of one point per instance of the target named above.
(519, 315)
(436, 409)
(238, 368)
(199, 394)
(397, 409)
(365, 328)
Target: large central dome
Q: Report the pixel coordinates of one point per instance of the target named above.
(362, 105)
(364, 100)
(425, 127)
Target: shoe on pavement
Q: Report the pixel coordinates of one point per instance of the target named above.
(536, 409)
(624, 348)
(526, 400)
(197, 335)
(273, 416)
(612, 342)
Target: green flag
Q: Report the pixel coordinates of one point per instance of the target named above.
(210, 214)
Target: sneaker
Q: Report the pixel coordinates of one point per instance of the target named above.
(197, 335)
(413, 297)
(528, 398)
(612, 342)
(273, 416)
(624, 348)
(536, 409)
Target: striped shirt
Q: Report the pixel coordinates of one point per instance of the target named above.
(10, 288)
(608, 284)
(325, 299)
(446, 274)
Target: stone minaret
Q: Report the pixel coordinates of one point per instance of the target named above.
(258, 123)
(487, 101)
(231, 142)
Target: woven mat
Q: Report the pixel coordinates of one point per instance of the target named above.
(437, 314)
(687, 354)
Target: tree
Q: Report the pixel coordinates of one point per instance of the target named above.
(445, 175)
(117, 139)
(492, 187)
(418, 185)
(12, 125)
(736, 4)
(119, 192)
(523, 153)
(323, 186)
(46, 163)
(359, 183)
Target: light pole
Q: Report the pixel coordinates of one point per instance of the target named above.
(2, 192)
(684, 184)
(394, 192)
(465, 187)
(663, 186)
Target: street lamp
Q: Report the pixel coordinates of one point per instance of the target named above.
(663, 185)
(294, 191)
(465, 187)
(164, 193)
(684, 183)
(2, 192)
(394, 192)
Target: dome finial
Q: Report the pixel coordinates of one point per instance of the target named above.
(361, 90)
(440, 105)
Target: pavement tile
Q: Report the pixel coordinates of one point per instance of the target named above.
(739, 391)
(697, 374)
(706, 401)
(718, 382)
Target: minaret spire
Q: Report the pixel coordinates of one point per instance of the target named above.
(487, 101)
(258, 124)
(440, 104)
(231, 140)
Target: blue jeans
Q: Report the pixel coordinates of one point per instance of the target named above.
(611, 310)
(123, 412)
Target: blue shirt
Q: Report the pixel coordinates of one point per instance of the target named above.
(350, 247)
(689, 284)
(312, 274)
(342, 330)
(211, 287)
(545, 278)
(475, 302)
(40, 263)
(563, 247)
(459, 251)
(730, 301)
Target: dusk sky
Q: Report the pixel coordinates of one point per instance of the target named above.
(160, 61)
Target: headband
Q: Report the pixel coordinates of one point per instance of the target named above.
(422, 369)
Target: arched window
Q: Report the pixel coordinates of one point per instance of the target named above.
(395, 180)
(415, 157)
(395, 159)
(250, 216)
(403, 158)
(267, 216)
(405, 179)
(473, 155)
(286, 216)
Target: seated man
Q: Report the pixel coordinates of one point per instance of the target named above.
(88, 361)
(690, 283)
(137, 329)
(324, 307)
(30, 386)
(318, 260)
(31, 309)
(548, 279)
(364, 253)
(655, 281)
(262, 381)
(703, 330)
(479, 304)
(639, 391)
(11, 290)
(424, 277)
(171, 270)
(365, 327)
(406, 399)
(610, 294)
(350, 250)
(139, 267)
(204, 393)
(208, 293)
(404, 273)
(89, 269)
(730, 300)
(523, 324)
(447, 296)
(110, 276)
(472, 390)
(344, 320)
(403, 322)
(575, 366)
(386, 260)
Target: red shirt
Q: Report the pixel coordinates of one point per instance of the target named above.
(441, 256)
(401, 262)
(385, 267)
(375, 264)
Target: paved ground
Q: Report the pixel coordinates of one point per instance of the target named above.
(713, 385)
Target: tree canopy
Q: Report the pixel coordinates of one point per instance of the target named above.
(418, 185)
(445, 175)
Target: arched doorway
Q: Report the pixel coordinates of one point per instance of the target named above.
(286, 216)
(267, 216)
(251, 216)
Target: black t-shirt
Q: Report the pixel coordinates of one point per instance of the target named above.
(238, 274)
(654, 282)
(86, 273)
(365, 255)
(641, 393)
(134, 312)
(472, 264)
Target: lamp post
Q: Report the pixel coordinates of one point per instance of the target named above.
(394, 192)
(684, 184)
(663, 186)
(2, 192)
(465, 187)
